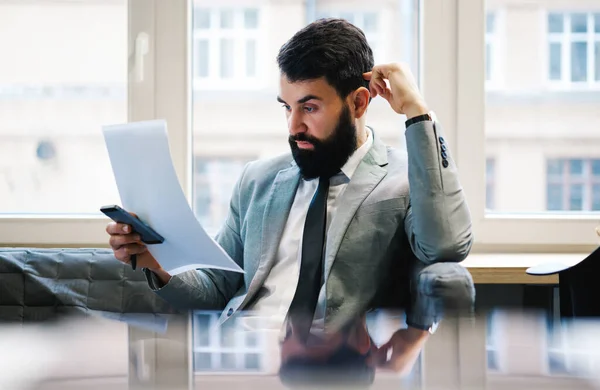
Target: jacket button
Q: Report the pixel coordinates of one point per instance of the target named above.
(443, 147)
(229, 312)
(444, 155)
(445, 163)
(441, 139)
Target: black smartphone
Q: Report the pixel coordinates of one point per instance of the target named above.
(147, 234)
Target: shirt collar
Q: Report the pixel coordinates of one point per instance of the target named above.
(352, 164)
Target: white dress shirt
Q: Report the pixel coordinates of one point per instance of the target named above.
(282, 281)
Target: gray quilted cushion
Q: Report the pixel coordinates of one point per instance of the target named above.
(38, 284)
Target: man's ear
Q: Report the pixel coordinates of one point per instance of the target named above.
(360, 101)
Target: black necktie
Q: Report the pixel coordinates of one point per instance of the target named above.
(303, 305)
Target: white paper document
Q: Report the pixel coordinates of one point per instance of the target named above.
(148, 186)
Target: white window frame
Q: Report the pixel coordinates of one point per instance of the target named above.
(163, 92)
(452, 79)
(239, 35)
(497, 42)
(566, 38)
(540, 232)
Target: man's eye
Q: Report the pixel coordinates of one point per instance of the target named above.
(309, 109)
(286, 107)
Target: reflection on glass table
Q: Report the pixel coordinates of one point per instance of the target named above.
(524, 349)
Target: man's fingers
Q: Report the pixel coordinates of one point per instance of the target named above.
(377, 83)
(118, 240)
(124, 253)
(118, 228)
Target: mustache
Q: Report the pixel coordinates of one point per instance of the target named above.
(305, 138)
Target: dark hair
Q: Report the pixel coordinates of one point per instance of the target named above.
(330, 48)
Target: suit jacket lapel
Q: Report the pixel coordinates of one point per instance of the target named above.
(278, 207)
(366, 177)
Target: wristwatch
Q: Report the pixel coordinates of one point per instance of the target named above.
(430, 116)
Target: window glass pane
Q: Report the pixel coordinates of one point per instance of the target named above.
(229, 361)
(490, 168)
(370, 22)
(201, 328)
(251, 339)
(235, 116)
(348, 16)
(227, 18)
(488, 61)
(227, 59)
(322, 15)
(597, 60)
(555, 167)
(597, 23)
(576, 167)
(201, 18)
(226, 56)
(555, 23)
(530, 117)
(555, 197)
(202, 58)
(579, 61)
(489, 196)
(490, 22)
(576, 197)
(555, 61)
(557, 363)
(252, 361)
(251, 18)
(202, 361)
(596, 168)
(228, 334)
(579, 23)
(596, 197)
(63, 76)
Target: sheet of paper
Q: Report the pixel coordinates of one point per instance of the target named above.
(148, 186)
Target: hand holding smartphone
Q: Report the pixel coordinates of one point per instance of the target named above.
(146, 233)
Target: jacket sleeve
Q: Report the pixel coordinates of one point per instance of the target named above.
(438, 220)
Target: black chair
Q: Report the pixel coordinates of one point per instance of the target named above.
(579, 285)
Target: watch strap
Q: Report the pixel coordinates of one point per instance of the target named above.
(419, 118)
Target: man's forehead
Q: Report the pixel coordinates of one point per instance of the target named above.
(296, 90)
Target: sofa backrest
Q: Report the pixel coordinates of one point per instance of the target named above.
(39, 284)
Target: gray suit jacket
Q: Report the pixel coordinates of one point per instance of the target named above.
(401, 211)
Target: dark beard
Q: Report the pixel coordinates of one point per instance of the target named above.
(329, 155)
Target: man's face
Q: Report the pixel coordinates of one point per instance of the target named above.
(321, 126)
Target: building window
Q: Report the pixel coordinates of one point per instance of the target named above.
(367, 21)
(226, 48)
(574, 48)
(227, 347)
(573, 184)
(490, 171)
(214, 180)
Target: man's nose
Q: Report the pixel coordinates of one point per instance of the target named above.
(295, 123)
